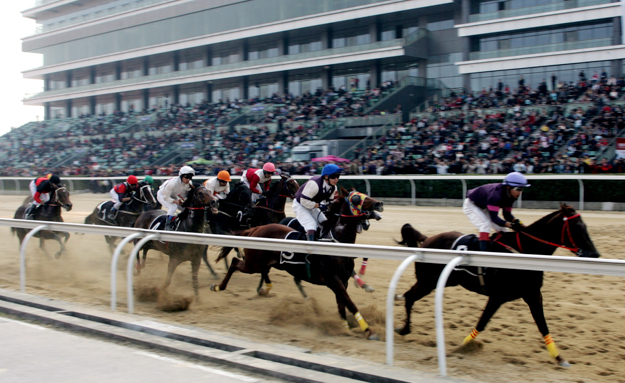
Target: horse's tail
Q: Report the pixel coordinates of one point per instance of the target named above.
(89, 220)
(241, 233)
(411, 237)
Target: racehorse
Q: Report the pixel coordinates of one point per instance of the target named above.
(563, 228)
(127, 213)
(191, 220)
(350, 211)
(50, 211)
(271, 209)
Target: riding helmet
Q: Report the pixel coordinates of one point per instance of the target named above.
(55, 179)
(132, 180)
(223, 176)
(516, 179)
(187, 170)
(148, 180)
(269, 167)
(330, 169)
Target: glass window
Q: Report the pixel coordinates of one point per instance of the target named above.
(388, 35)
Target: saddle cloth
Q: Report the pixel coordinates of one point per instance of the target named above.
(468, 242)
(294, 224)
(294, 258)
(159, 223)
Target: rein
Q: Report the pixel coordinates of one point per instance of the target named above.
(565, 230)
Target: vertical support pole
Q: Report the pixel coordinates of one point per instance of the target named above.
(368, 187)
(413, 193)
(581, 193)
(116, 254)
(390, 298)
(23, 255)
(464, 189)
(17, 186)
(131, 258)
(438, 313)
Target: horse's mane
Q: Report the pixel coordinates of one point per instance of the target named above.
(546, 220)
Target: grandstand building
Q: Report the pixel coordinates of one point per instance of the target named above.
(101, 55)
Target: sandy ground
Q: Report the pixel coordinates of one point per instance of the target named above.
(585, 313)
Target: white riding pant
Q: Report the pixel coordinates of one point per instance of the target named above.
(170, 207)
(45, 197)
(115, 198)
(480, 217)
(308, 218)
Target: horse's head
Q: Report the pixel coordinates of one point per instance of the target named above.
(565, 228)
(61, 198)
(146, 195)
(288, 186)
(358, 206)
(202, 197)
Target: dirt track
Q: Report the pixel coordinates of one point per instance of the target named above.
(585, 313)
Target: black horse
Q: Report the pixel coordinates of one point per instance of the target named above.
(333, 272)
(51, 211)
(191, 220)
(271, 209)
(127, 214)
(562, 228)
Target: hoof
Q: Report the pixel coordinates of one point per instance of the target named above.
(214, 288)
(58, 255)
(262, 291)
(373, 337)
(563, 363)
(368, 288)
(399, 297)
(402, 331)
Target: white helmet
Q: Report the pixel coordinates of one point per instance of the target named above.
(186, 170)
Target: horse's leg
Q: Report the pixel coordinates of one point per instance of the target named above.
(111, 242)
(298, 283)
(42, 246)
(360, 283)
(341, 306)
(264, 277)
(416, 292)
(196, 262)
(234, 266)
(205, 258)
(173, 263)
(363, 267)
(336, 285)
(141, 264)
(535, 302)
(491, 308)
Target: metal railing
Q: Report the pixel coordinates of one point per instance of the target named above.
(555, 6)
(404, 255)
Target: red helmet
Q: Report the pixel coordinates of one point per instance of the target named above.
(132, 180)
(269, 167)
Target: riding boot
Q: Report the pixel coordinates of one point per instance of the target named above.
(33, 211)
(484, 245)
(169, 224)
(110, 218)
(310, 235)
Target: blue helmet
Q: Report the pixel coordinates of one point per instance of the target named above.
(516, 179)
(330, 169)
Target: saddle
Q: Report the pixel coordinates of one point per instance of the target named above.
(105, 207)
(159, 223)
(470, 242)
(323, 234)
(291, 257)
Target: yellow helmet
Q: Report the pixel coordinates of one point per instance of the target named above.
(223, 176)
(48, 175)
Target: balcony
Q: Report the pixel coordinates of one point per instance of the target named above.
(559, 6)
(573, 45)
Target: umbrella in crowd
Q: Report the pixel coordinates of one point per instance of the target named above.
(330, 158)
(200, 161)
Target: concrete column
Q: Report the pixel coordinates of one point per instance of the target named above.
(68, 78)
(376, 73)
(118, 71)
(326, 77)
(146, 99)
(118, 101)
(176, 91)
(46, 83)
(46, 111)
(330, 37)
(209, 92)
(146, 66)
(374, 31)
(92, 73)
(284, 44)
(209, 56)
(423, 67)
(283, 82)
(68, 108)
(246, 86)
(92, 103)
(176, 61)
(245, 56)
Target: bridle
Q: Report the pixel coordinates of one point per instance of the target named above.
(288, 190)
(143, 199)
(56, 197)
(566, 233)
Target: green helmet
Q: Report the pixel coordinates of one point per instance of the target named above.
(148, 179)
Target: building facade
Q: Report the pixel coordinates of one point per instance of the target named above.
(100, 55)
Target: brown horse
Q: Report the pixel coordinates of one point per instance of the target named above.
(346, 216)
(50, 211)
(127, 213)
(191, 220)
(562, 228)
(271, 209)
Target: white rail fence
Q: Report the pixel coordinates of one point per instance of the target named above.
(406, 256)
(21, 183)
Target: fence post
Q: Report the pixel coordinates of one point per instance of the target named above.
(581, 194)
(116, 254)
(23, 255)
(133, 255)
(390, 298)
(413, 193)
(438, 313)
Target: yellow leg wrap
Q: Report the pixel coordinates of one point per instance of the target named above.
(363, 325)
(471, 336)
(216, 288)
(551, 346)
(346, 325)
(269, 286)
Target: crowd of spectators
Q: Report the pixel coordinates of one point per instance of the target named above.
(493, 131)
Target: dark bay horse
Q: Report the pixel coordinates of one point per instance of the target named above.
(333, 272)
(191, 220)
(127, 213)
(271, 209)
(51, 211)
(562, 228)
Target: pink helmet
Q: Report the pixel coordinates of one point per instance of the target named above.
(269, 167)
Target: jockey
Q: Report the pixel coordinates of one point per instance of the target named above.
(172, 193)
(40, 189)
(483, 203)
(307, 204)
(259, 180)
(219, 186)
(121, 193)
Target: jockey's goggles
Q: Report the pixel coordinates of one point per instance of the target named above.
(334, 176)
(518, 188)
(188, 176)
